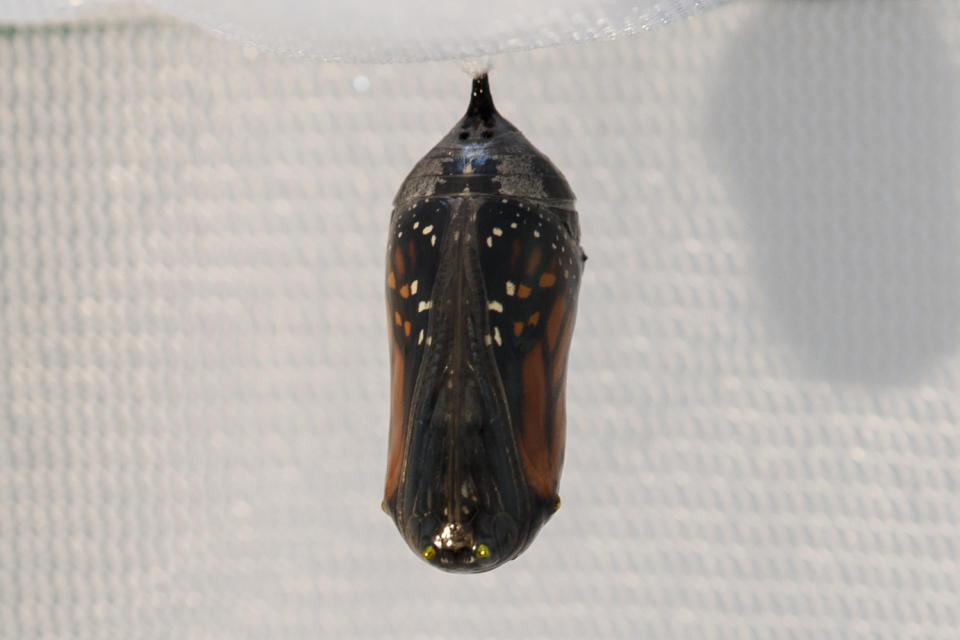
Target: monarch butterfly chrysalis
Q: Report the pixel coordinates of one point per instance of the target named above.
(483, 268)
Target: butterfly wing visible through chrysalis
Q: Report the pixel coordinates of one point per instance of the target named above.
(531, 266)
(413, 255)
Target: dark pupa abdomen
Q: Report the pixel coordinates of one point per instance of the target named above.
(483, 269)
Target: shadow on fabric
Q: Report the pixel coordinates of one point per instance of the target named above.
(843, 163)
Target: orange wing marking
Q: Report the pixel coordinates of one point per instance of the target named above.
(533, 261)
(398, 262)
(397, 412)
(555, 321)
(533, 437)
(547, 280)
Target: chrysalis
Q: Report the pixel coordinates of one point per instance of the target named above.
(483, 269)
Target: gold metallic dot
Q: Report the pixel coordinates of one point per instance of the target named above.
(483, 551)
(557, 506)
(429, 553)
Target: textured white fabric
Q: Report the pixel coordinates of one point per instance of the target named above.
(764, 385)
(389, 30)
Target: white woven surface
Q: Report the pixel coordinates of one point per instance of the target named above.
(764, 392)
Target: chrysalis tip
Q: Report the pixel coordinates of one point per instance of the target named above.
(481, 102)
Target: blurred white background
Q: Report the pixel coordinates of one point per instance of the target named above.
(764, 385)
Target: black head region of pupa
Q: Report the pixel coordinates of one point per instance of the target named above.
(484, 154)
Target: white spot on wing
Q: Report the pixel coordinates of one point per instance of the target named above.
(497, 231)
(427, 229)
(511, 288)
(424, 305)
(495, 305)
(416, 224)
(413, 287)
(496, 336)
(487, 340)
(420, 337)
(433, 241)
(489, 242)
